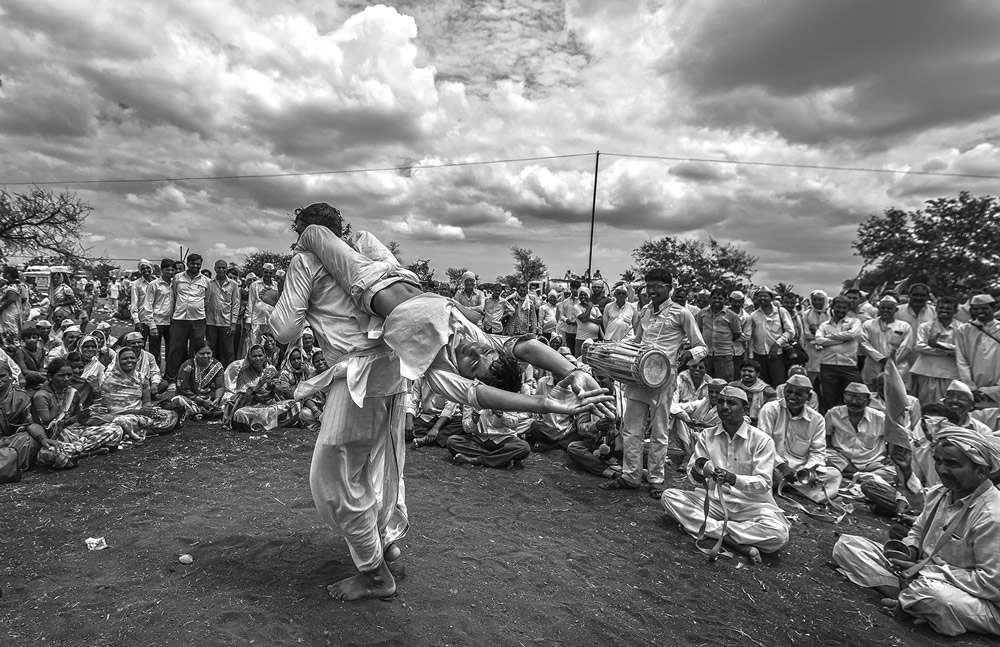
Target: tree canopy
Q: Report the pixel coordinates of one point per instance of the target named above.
(255, 261)
(527, 267)
(951, 240)
(43, 223)
(696, 263)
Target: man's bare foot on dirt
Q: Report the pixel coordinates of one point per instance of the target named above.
(393, 558)
(462, 459)
(752, 553)
(372, 585)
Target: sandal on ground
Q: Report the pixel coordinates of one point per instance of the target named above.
(618, 483)
(656, 490)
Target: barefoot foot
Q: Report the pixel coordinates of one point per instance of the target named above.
(462, 459)
(378, 585)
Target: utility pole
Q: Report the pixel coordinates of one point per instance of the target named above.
(593, 218)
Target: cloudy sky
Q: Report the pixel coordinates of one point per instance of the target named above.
(133, 90)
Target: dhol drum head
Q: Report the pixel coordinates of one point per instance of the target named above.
(654, 369)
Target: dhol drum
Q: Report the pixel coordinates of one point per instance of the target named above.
(635, 364)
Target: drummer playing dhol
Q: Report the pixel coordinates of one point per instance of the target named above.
(665, 325)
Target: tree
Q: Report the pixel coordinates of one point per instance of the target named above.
(396, 250)
(41, 222)
(455, 276)
(527, 267)
(422, 268)
(695, 263)
(951, 240)
(255, 261)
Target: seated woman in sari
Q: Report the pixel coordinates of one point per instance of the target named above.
(17, 430)
(200, 385)
(70, 429)
(88, 390)
(104, 351)
(250, 402)
(294, 371)
(126, 400)
(93, 368)
(272, 352)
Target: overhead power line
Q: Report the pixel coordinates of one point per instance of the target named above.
(257, 176)
(817, 167)
(413, 167)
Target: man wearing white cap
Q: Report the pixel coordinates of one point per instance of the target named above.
(946, 571)
(666, 325)
(771, 331)
(260, 311)
(934, 366)
(959, 398)
(469, 296)
(620, 315)
(548, 315)
(883, 338)
(799, 434)
(741, 458)
(856, 435)
(977, 352)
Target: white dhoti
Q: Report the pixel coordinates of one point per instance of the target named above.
(356, 474)
(762, 527)
(947, 609)
(834, 458)
(826, 488)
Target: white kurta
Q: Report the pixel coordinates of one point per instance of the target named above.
(754, 518)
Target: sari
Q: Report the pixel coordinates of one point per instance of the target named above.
(73, 439)
(288, 379)
(122, 402)
(93, 372)
(15, 416)
(194, 381)
(104, 351)
(250, 402)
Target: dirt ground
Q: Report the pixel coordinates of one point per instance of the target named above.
(535, 555)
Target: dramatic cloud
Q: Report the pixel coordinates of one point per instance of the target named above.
(669, 93)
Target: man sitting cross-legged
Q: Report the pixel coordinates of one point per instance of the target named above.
(799, 435)
(946, 571)
(741, 458)
(430, 417)
(856, 436)
(689, 418)
(490, 438)
(599, 449)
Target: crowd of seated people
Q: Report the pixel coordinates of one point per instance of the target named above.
(891, 398)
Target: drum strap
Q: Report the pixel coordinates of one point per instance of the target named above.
(717, 550)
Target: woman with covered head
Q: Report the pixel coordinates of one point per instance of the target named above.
(295, 370)
(71, 432)
(17, 429)
(946, 571)
(201, 384)
(127, 400)
(93, 369)
(250, 402)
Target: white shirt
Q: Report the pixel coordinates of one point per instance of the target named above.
(158, 308)
(799, 440)
(668, 328)
(619, 322)
(880, 340)
(258, 311)
(189, 296)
